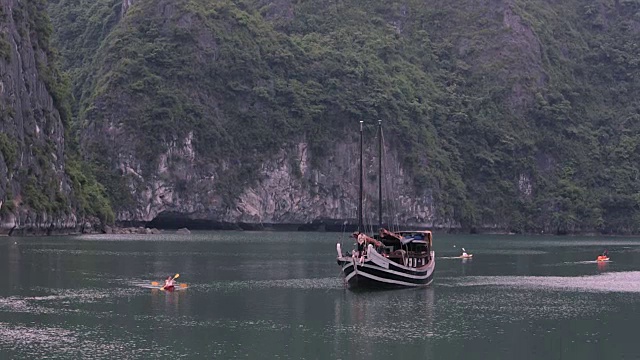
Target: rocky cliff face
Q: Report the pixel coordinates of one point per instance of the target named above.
(242, 112)
(289, 190)
(34, 190)
(190, 174)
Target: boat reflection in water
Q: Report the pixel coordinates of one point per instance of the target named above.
(368, 324)
(603, 265)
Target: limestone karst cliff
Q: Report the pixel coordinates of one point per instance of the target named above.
(37, 194)
(510, 114)
(32, 134)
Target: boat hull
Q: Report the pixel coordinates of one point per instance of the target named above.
(376, 271)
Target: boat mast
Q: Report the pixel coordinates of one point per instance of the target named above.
(380, 173)
(360, 227)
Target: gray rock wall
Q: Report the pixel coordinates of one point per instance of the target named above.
(290, 190)
(32, 156)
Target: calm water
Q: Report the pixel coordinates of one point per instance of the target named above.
(263, 295)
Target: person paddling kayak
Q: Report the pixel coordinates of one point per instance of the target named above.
(169, 284)
(604, 256)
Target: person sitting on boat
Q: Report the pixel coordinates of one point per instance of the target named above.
(169, 283)
(604, 256)
(464, 253)
(364, 240)
(360, 242)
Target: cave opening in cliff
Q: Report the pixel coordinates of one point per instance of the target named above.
(173, 221)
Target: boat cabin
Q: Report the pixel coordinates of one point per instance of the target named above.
(409, 248)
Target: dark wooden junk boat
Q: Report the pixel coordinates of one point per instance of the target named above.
(388, 259)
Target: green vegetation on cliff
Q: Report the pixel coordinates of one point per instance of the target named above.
(518, 115)
(34, 132)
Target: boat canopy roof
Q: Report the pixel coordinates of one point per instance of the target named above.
(406, 240)
(404, 232)
(415, 237)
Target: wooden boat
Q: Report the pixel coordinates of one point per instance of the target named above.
(390, 259)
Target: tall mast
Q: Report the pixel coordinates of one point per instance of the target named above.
(380, 173)
(360, 227)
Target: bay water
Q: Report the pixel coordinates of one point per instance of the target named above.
(279, 295)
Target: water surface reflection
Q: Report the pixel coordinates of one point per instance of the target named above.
(279, 295)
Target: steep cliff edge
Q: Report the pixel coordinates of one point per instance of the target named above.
(36, 192)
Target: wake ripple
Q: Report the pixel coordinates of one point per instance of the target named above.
(627, 282)
(315, 283)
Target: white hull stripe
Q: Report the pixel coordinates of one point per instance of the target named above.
(383, 280)
(398, 273)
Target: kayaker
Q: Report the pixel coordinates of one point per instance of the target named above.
(464, 253)
(169, 284)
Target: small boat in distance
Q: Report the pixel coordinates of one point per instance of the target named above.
(388, 259)
(604, 256)
(169, 284)
(465, 255)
